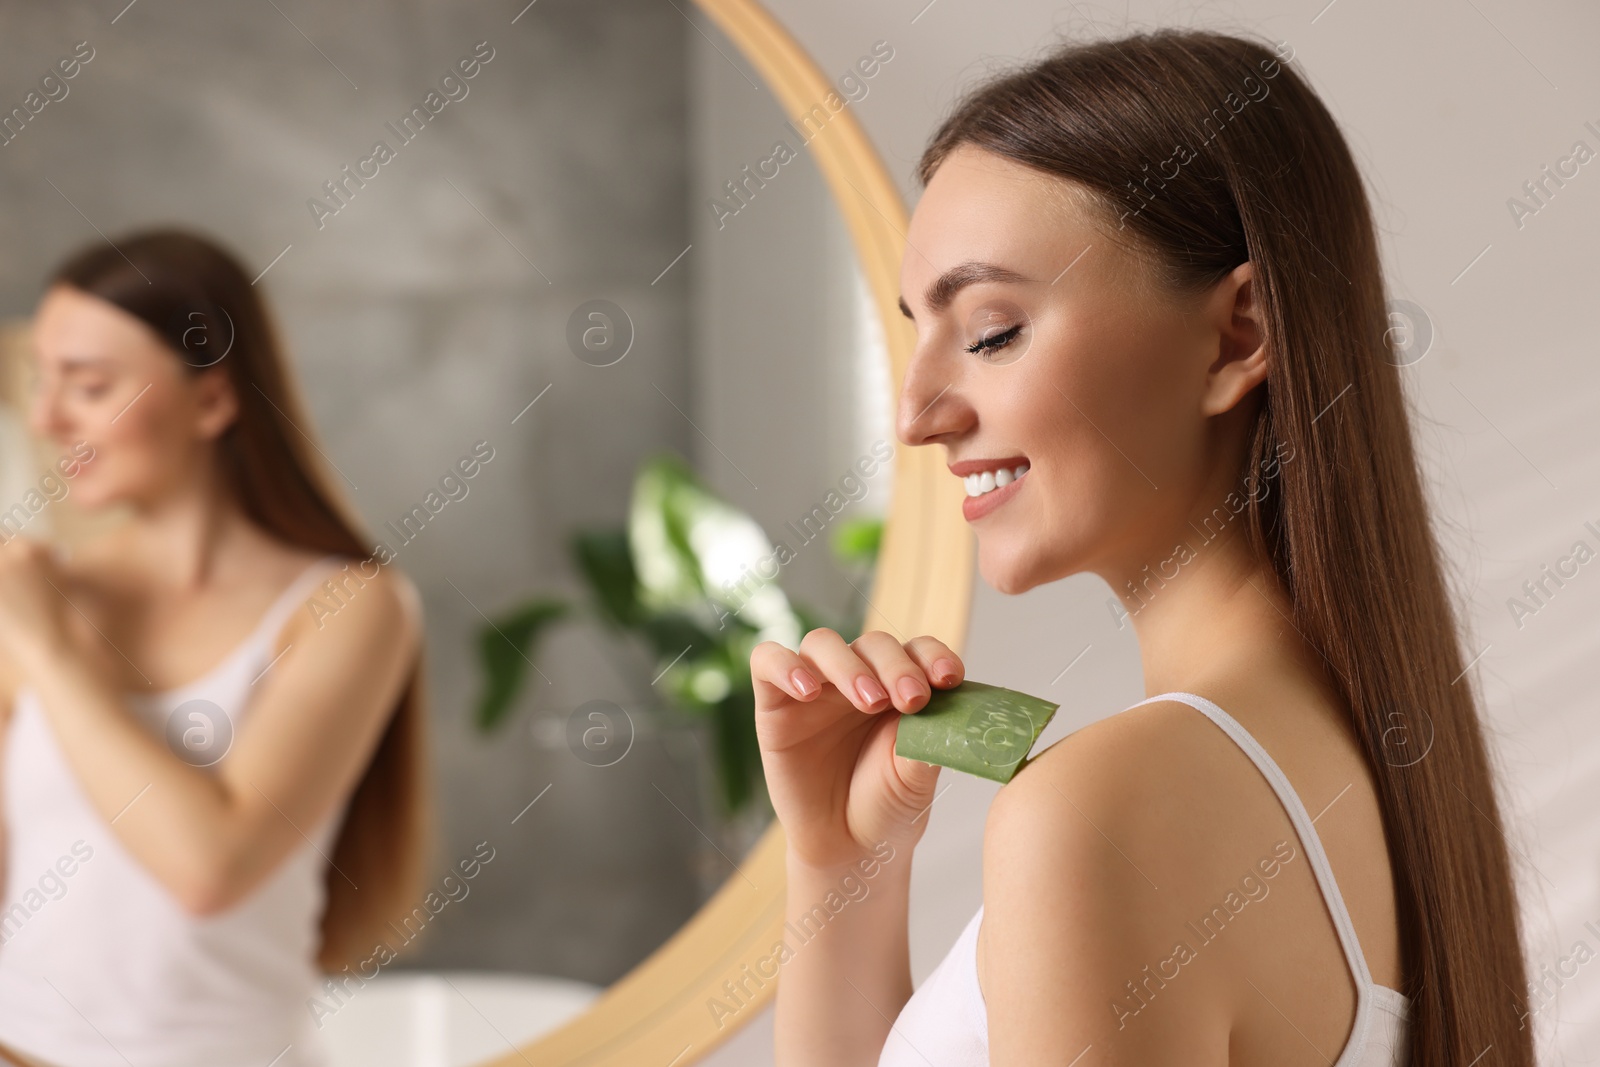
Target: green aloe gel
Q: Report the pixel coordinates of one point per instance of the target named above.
(980, 729)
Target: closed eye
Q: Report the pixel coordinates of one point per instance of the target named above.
(999, 340)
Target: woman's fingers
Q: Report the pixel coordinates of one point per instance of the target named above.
(900, 674)
(943, 667)
(874, 672)
(777, 665)
(826, 652)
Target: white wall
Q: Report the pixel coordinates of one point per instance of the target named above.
(1449, 108)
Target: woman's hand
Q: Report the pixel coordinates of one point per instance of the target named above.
(32, 620)
(825, 719)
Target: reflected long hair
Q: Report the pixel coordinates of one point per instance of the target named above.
(1205, 150)
(198, 299)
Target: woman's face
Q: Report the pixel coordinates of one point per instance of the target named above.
(1101, 384)
(107, 381)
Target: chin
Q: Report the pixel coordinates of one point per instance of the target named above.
(92, 495)
(1005, 573)
(1016, 568)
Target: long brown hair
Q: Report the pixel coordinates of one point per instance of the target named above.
(199, 300)
(1207, 150)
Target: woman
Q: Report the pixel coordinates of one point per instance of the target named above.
(1151, 335)
(211, 768)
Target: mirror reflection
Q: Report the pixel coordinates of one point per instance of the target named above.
(407, 427)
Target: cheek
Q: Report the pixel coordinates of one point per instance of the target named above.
(1128, 380)
(1088, 412)
(1103, 414)
(1088, 481)
(138, 428)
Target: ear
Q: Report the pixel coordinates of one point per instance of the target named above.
(216, 403)
(1240, 363)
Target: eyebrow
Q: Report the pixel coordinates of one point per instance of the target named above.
(945, 287)
(72, 363)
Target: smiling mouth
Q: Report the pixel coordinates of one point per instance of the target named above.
(989, 483)
(979, 483)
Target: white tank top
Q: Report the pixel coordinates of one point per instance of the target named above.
(99, 965)
(945, 1023)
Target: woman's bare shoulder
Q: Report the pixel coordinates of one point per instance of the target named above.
(1147, 778)
(1164, 779)
(1144, 820)
(1095, 856)
(1156, 799)
(378, 598)
(1296, 718)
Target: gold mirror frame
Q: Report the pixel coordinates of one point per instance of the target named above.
(658, 1013)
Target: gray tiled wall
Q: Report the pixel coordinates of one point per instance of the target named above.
(423, 317)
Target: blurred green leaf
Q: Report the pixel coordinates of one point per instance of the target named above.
(505, 647)
(695, 579)
(810, 619)
(606, 563)
(698, 554)
(858, 540)
(670, 633)
(738, 750)
(669, 574)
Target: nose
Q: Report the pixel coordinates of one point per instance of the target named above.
(930, 403)
(44, 410)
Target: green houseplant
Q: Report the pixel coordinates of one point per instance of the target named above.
(693, 579)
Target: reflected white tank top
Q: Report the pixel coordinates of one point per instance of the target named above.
(945, 1023)
(99, 965)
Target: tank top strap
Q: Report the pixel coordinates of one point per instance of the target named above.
(278, 611)
(1303, 825)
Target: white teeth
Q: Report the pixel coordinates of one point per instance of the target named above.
(979, 484)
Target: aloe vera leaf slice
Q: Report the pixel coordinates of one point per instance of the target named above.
(976, 728)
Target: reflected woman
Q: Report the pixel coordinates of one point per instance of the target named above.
(1151, 336)
(212, 768)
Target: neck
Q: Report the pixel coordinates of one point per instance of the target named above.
(1208, 607)
(182, 537)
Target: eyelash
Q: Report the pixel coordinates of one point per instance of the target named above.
(995, 341)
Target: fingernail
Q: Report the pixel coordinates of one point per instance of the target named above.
(910, 689)
(871, 692)
(945, 669)
(802, 681)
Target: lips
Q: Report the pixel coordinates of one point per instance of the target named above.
(975, 507)
(978, 466)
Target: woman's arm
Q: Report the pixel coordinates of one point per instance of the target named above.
(210, 835)
(852, 811)
(850, 972)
